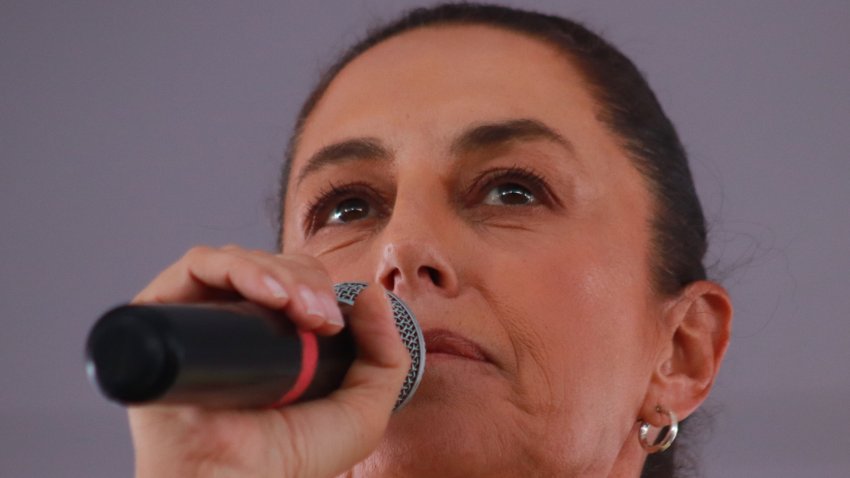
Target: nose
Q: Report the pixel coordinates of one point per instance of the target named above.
(415, 265)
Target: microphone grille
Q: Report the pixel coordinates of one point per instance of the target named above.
(409, 330)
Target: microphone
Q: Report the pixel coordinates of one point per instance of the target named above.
(230, 355)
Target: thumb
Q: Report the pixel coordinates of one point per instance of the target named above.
(330, 436)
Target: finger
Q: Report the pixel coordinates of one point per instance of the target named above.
(309, 285)
(297, 286)
(205, 272)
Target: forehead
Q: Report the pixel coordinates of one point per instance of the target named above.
(428, 82)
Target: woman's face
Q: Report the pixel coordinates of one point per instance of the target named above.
(465, 169)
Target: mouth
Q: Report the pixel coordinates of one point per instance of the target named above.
(446, 343)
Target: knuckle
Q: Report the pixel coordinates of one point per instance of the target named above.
(306, 260)
(286, 275)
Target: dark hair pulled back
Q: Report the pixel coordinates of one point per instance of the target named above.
(626, 105)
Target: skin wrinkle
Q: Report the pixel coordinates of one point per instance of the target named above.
(339, 246)
(528, 339)
(495, 302)
(536, 446)
(525, 344)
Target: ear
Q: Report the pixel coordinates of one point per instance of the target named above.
(694, 337)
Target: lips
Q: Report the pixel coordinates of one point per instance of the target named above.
(442, 341)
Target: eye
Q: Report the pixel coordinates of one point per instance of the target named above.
(511, 187)
(510, 194)
(342, 205)
(349, 210)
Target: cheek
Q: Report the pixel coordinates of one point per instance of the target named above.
(579, 330)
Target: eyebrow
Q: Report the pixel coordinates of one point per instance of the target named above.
(347, 150)
(481, 136)
(490, 135)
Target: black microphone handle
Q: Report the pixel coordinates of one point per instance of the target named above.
(230, 355)
(235, 355)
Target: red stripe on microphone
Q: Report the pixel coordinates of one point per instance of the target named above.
(309, 362)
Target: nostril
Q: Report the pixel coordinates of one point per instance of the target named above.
(434, 275)
(388, 278)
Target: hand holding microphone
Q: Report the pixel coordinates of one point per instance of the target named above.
(230, 355)
(316, 438)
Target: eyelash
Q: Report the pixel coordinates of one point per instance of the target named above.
(524, 176)
(482, 184)
(332, 195)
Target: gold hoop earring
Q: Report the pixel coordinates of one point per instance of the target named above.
(661, 442)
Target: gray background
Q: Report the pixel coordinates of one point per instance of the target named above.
(129, 133)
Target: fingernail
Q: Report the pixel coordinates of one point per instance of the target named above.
(314, 306)
(332, 309)
(275, 288)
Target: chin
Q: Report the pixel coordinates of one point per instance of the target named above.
(446, 430)
(424, 444)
